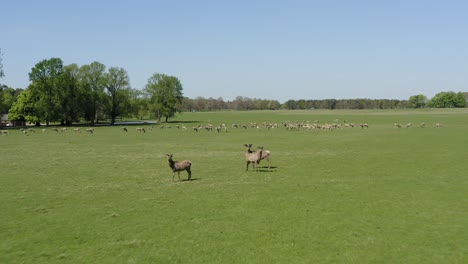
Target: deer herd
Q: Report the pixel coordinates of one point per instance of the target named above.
(252, 156)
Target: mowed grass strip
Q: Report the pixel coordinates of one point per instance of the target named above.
(350, 195)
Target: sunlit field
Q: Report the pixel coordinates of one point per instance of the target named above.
(380, 194)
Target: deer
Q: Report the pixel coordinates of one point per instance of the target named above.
(252, 157)
(178, 166)
(265, 154)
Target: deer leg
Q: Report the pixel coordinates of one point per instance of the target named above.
(189, 174)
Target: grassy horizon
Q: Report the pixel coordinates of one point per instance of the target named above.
(351, 195)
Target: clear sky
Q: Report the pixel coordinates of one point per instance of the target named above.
(277, 50)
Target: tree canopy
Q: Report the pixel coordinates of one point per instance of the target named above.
(92, 81)
(8, 96)
(45, 77)
(116, 83)
(417, 101)
(448, 100)
(165, 93)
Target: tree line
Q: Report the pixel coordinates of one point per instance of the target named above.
(440, 100)
(67, 94)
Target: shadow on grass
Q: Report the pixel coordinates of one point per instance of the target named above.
(193, 179)
(264, 169)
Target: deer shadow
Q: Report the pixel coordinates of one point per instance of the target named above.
(193, 179)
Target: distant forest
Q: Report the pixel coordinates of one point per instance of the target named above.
(441, 100)
(244, 103)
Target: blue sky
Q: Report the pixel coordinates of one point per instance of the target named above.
(276, 50)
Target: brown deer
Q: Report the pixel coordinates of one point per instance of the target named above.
(252, 157)
(178, 166)
(265, 154)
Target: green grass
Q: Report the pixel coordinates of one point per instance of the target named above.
(377, 195)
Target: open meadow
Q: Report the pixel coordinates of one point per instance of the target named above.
(380, 194)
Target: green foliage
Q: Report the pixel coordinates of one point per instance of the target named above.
(417, 101)
(7, 98)
(138, 104)
(351, 195)
(69, 95)
(344, 104)
(46, 78)
(117, 84)
(92, 82)
(448, 100)
(165, 95)
(27, 107)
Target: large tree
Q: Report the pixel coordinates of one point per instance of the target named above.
(117, 84)
(69, 95)
(165, 95)
(417, 101)
(92, 81)
(138, 103)
(448, 100)
(46, 78)
(27, 107)
(7, 98)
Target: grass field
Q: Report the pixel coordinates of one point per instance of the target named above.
(351, 195)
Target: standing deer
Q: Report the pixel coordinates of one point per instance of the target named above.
(265, 154)
(178, 166)
(252, 157)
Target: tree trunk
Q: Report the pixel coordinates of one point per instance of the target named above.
(158, 114)
(113, 112)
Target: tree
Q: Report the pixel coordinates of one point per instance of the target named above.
(92, 83)
(46, 76)
(116, 83)
(417, 101)
(69, 95)
(274, 105)
(7, 98)
(138, 103)
(165, 95)
(27, 107)
(465, 94)
(448, 100)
